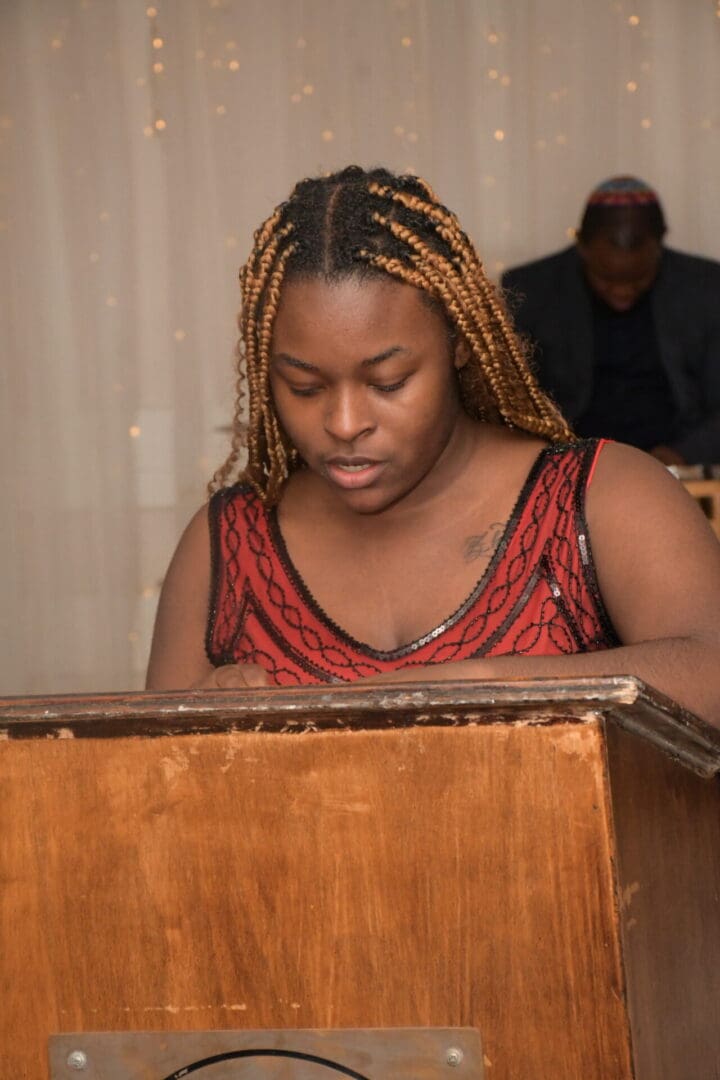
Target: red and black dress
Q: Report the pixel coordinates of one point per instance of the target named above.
(538, 596)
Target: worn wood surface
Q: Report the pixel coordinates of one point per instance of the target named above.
(490, 855)
(625, 699)
(418, 876)
(667, 840)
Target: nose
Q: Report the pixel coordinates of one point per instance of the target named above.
(348, 414)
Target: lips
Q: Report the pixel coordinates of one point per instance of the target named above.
(352, 473)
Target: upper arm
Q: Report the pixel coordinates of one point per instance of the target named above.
(656, 557)
(178, 658)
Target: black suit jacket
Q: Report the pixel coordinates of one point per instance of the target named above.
(551, 305)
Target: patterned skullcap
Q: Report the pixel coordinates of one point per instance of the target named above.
(623, 191)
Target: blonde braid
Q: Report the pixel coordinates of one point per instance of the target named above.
(451, 289)
(447, 285)
(478, 405)
(273, 440)
(239, 435)
(519, 399)
(356, 222)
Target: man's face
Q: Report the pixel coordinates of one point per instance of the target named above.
(617, 276)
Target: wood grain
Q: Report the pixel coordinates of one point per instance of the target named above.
(399, 878)
(667, 842)
(402, 859)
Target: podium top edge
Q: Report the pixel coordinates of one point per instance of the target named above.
(624, 699)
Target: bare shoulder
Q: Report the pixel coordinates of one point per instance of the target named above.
(192, 555)
(630, 485)
(657, 559)
(178, 656)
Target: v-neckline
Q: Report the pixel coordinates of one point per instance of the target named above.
(278, 541)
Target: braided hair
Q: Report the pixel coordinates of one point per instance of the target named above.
(366, 224)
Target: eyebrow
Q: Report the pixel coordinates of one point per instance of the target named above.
(303, 365)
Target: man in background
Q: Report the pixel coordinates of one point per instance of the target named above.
(626, 332)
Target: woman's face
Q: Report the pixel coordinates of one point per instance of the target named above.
(362, 374)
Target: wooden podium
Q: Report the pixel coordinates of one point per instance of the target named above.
(537, 859)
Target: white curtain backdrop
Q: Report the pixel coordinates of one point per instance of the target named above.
(140, 146)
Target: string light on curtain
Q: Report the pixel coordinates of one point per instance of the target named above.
(153, 239)
(406, 132)
(157, 123)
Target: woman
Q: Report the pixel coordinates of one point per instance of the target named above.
(413, 506)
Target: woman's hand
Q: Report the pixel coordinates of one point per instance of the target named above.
(233, 677)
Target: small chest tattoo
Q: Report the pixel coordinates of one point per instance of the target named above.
(484, 543)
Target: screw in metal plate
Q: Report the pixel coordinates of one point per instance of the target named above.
(77, 1060)
(454, 1056)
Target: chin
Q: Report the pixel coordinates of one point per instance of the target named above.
(366, 501)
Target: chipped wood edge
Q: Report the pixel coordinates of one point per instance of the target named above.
(622, 699)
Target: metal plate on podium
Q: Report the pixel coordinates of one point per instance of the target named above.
(285, 1054)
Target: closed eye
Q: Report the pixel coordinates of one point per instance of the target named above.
(303, 391)
(391, 388)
